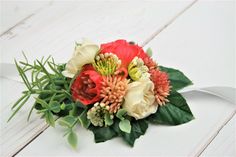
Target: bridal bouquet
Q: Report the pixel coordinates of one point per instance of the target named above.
(114, 89)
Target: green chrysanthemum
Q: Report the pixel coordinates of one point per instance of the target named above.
(106, 64)
(137, 70)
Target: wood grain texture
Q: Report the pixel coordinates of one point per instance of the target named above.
(53, 30)
(210, 56)
(225, 142)
(14, 13)
(18, 132)
(203, 38)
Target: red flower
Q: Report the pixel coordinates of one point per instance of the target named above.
(123, 50)
(87, 86)
(161, 84)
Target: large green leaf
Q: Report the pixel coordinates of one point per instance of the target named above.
(177, 79)
(102, 134)
(138, 128)
(173, 113)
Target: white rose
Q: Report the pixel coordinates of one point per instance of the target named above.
(83, 54)
(139, 99)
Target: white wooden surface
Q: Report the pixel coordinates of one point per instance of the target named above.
(17, 133)
(15, 12)
(207, 34)
(204, 39)
(53, 28)
(224, 143)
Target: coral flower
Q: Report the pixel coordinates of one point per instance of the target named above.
(87, 86)
(161, 84)
(150, 63)
(113, 90)
(123, 50)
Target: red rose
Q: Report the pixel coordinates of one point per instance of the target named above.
(87, 86)
(123, 50)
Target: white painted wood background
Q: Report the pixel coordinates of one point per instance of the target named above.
(197, 38)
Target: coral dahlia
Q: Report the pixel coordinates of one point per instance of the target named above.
(162, 85)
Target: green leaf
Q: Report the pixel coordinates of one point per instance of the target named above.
(121, 113)
(67, 121)
(72, 139)
(74, 110)
(108, 120)
(125, 126)
(53, 69)
(149, 52)
(80, 105)
(31, 110)
(23, 76)
(44, 69)
(63, 106)
(138, 128)
(102, 134)
(177, 79)
(42, 102)
(173, 113)
(55, 106)
(84, 121)
(19, 100)
(19, 107)
(49, 118)
(44, 84)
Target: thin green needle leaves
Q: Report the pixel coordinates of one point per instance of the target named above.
(47, 87)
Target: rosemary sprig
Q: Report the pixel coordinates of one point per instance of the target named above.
(46, 84)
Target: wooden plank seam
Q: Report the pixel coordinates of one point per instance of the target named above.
(212, 137)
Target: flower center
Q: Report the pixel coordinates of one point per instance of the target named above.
(137, 70)
(88, 86)
(106, 64)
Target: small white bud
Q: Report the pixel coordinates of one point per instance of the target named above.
(93, 109)
(106, 55)
(102, 104)
(96, 104)
(97, 58)
(102, 56)
(119, 62)
(140, 61)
